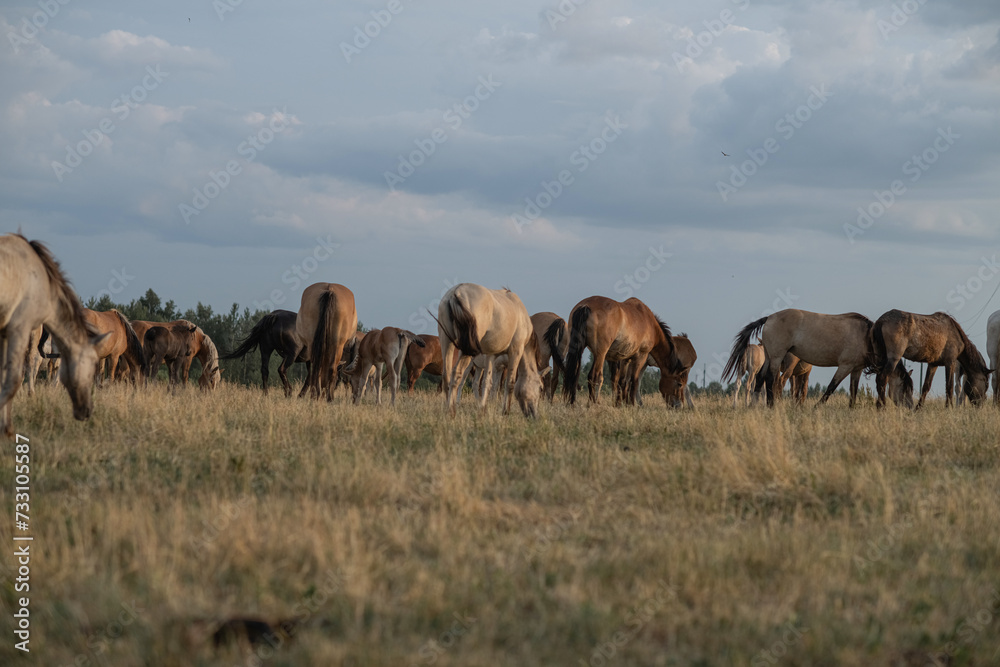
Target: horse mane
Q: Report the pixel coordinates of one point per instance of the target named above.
(69, 302)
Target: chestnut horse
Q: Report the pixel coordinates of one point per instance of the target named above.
(326, 320)
(423, 359)
(750, 364)
(677, 376)
(936, 340)
(380, 348)
(34, 291)
(275, 332)
(816, 338)
(552, 336)
(616, 331)
(122, 341)
(474, 320)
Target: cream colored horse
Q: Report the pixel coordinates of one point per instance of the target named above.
(474, 320)
(749, 364)
(326, 320)
(33, 292)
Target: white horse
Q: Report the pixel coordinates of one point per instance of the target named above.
(751, 363)
(474, 320)
(33, 292)
(993, 350)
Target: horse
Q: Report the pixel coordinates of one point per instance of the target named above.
(327, 319)
(347, 358)
(936, 340)
(122, 341)
(34, 291)
(677, 376)
(424, 358)
(380, 348)
(792, 368)
(750, 364)
(616, 331)
(171, 343)
(816, 338)
(474, 320)
(993, 350)
(275, 332)
(208, 355)
(552, 336)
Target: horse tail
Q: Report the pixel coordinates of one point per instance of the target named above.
(253, 339)
(577, 342)
(554, 337)
(464, 327)
(133, 344)
(740, 345)
(412, 337)
(876, 349)
(321, 352)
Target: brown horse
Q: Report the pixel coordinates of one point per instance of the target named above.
(677, 376)
(616, 331)
(474, 320)
(816, 338)
(275, 332)
(423, 359)
(122, 341)
(169, 343)
(750, 364)
(936, 340)
(326, 320)
(208, 355)
(33, 292)
(552, 336)
(380, 348)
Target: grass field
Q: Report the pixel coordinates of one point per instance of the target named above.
(592, 536)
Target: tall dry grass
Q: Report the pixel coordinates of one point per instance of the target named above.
(599, 536)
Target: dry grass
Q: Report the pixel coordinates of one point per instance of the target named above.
(395, 537)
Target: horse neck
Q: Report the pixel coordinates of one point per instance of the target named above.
(68, 327)
(970, 358)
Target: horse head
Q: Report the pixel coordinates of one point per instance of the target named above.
(975, 384)
(77, 372)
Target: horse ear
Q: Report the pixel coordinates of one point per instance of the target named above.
(193, 328)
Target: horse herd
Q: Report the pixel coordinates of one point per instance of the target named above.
(481, 333)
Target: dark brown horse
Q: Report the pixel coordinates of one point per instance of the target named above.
(426, 359)
(275, 332)
(936, 340)
(616, 331)
(169, 343)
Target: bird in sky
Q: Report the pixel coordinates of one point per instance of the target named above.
(725, 153)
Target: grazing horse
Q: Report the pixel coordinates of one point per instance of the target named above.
(171, 343)
(552, 336)
(474, 320)
(208, 355)
(424, 358)
(122, 341)
(993, 350)
(677, 376)
(750, 364)
(816, 338)
(34, 291)
(273, 332)
(616, 331)
(792, 368)
(936, 340)
(41, 352)
(327, 319)
(380, 348)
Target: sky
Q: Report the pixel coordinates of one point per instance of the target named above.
(718, 160)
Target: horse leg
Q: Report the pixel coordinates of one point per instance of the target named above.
(13, 376)
(949, 383)
(931, 370)
(595, 379)
(736, 394)
(395, 373)
(486, 381)
(838, 377)
(855, 379)
(448, 369)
